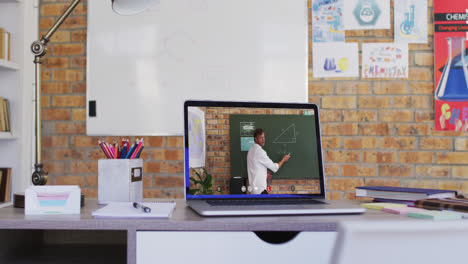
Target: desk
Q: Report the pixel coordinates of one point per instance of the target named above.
(83, 239)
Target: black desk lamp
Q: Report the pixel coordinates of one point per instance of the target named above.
(39, 49)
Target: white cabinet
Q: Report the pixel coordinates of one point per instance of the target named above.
(231, 248)
(20, 18)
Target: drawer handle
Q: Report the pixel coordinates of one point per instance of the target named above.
(276, 237)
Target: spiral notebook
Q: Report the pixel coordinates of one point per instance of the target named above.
(126, 210)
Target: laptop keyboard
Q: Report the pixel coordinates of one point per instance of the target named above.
(231, 202)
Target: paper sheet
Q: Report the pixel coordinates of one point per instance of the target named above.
(327, 21)
(410, 21)
(384, 60)
(367, 14)
(126, 210)
(335, 59)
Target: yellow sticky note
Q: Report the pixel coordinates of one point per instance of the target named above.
(379, 206)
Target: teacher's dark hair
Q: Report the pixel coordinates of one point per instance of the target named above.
(258, 132)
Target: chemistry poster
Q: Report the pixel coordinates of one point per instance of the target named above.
(450, 65)
(410, 21)
(367, 14)
(327, 21)
(384, 60)
(335, 60)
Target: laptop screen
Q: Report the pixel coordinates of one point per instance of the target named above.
(252, 150)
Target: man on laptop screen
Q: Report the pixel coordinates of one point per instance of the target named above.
(258, 163)
(229, 147)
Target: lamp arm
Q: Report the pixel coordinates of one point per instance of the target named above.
(39, 49)
(60, 21)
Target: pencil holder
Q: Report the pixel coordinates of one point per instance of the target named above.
(120, 180)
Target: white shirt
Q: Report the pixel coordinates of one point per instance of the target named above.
(257, 164)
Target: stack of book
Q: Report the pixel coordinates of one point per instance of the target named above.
(4, 115)
(401, 194)
(449, 204)
(5, 43)
(5, 184)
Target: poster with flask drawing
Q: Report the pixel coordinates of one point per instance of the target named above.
(384, 60)
(450, 65)
(335, 60)
(410, 21)
(327, 21)
(367, 14)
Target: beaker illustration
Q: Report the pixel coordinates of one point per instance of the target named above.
(408, 24)
(367, 12)
(329, 64)
(453, 85)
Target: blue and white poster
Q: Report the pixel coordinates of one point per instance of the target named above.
(367, 14)
(410, 21)
(327, 21)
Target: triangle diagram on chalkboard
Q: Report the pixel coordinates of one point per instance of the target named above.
(287, 136)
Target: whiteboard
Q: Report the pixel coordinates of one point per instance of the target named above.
(141, 69)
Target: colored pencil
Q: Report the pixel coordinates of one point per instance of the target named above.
(137, 149)
(114, 151)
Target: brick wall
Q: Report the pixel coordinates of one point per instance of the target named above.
(374, 131)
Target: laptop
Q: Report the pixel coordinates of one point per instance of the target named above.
(249, 158)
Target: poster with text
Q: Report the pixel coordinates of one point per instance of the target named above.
(410, 21)
(384, 60)
(367, 14)
(335, 59)
(450, 65)
(327, 21)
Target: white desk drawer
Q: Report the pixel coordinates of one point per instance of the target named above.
(231, 247)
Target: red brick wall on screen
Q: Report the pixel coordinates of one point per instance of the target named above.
(218, 141)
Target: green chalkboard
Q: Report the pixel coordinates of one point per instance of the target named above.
(284, 134)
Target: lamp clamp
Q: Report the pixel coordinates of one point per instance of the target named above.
(39, 176)
(39, 48)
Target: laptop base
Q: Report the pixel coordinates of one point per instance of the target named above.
(326, 208)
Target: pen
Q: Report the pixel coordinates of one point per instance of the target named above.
(103, 149)
(146, 209)
(110, 149)
(139, 152)
(137, 149)
(115, 149)
(126, 151)
(130, 151)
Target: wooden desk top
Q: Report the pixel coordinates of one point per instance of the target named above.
(183, 219)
